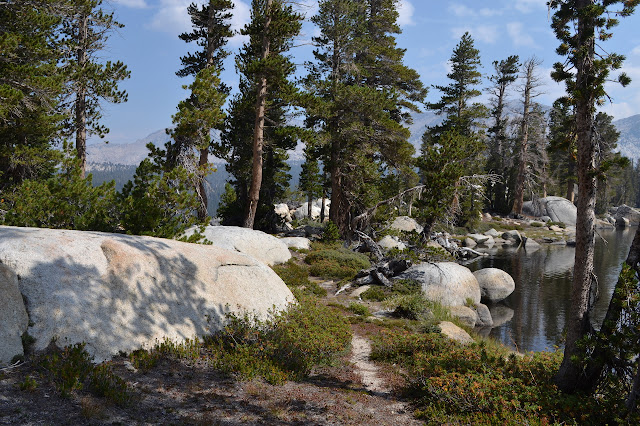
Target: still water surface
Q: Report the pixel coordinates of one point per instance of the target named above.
(538, 307)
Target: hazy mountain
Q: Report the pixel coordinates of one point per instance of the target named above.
(629, 142)
(134, 152)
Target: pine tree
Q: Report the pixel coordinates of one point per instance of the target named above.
(462, 123)
(201, 112)
(30, 86)
(267, 69)
(529, 92)
(505, 74)
(579, 24)
(310, 179)
(562, 145)
(363, 94)
(89, 81)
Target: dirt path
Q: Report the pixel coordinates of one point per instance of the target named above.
(360, 352)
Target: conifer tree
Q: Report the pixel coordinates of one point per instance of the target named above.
(201, 112)
(579, 25)
(529, 92)
(363, 95)
(310, 178)
(30, 86)
(90, 81)
(461, 124)
(505, 74)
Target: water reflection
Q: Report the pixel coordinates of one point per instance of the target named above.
(540, 302)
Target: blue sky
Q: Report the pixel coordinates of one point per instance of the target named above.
(150, 47)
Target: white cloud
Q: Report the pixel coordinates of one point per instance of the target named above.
(405, 10)
(519, 35)
(171, 17)
(136, 4)
(485, 33)
(636, 51)
(526, 6)
(461, 10)
(487, 13)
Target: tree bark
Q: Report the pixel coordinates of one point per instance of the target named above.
(524, 143)
(339, 209)
(258, 133)
(578, 323)
(202, 194)
(81, 93)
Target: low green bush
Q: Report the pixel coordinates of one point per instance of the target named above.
(359, 309)
(338, 263)
(483, 384)
(285, 347)
(71, 368)
(297, 276)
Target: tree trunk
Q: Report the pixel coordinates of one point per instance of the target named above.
(201, 191)
(258, 133)
(571, 194)
(80, 101)
(339, 209)
(578, 323)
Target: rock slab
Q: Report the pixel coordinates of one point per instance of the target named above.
(121, 292)
(455, 333)
(13, 316)
(257, 244)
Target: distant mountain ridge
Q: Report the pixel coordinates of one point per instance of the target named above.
(134, 152)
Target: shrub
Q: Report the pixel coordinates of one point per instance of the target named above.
(410, 306)
(336, 263)
(331, 232)
(72, 367)
(376, 293)
(284, 347)
(359, 309)
(297, 276)
(481, 384)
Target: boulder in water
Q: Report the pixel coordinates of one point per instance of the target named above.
(495, 284)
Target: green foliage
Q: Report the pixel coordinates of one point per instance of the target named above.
(411, 306)
(359, 309)
(482, 384)
(296, 276)
(331, 233)
(158, 203)
(29, 384)
(64, 201)
(336, 263)
(284, 347)
(70, 368)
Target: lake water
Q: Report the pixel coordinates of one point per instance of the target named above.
(535, 313)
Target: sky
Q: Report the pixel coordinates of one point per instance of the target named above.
(149, 45)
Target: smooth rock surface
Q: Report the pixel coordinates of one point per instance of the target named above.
(303, 212)
(622, 222)
(479, 238)
(492, 233)
(406, 224)
(624, 211)
(465, 315)
(495, 284)
(300, 243)
(13, 316)
(454, 332)
(512, 235)
(283, 211)
(388, 242)
(557, 208)
(445, 282)
(484, 315)
(121, 292)
(257, 244)
(531, 245)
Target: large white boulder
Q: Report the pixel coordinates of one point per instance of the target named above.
(121, 292)
(557, 208)
(282, 210)
(260, 245)
(405, 224)
(629, 213)
(445, 282)
(389, 242)
(299, 243)
(13, 316)
(303, 212)
(495, 284)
